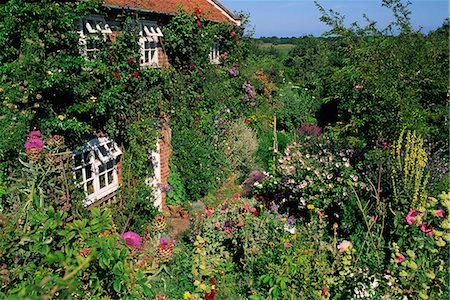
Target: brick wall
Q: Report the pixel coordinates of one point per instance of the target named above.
(165, 151)
(163, 59)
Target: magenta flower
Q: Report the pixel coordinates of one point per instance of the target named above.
(400, 257)
(428, 230)
(34, 134)
(411, 217)
(34, 142)
(132, 239)
(164, 241)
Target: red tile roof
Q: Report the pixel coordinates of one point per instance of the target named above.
(211, 9)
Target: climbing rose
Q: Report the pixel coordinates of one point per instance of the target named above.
(132, 239)
(343, 246)
(131, 60)
(116, 74)
(411, 216)
(400, 257)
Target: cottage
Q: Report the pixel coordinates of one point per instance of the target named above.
(97, 165)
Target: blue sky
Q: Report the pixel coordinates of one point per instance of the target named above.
(286, 18)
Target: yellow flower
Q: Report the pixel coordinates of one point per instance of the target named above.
(294, 237)
(187, 295)
(310, 206)
(61, 117)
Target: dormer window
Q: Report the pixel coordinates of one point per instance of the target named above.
(149, 41)
(95, 169)
(91, 31)
(214, 54)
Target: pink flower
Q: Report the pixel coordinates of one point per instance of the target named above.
(287, 245)
(34, 142)
(217, 224)
(400, 257)
(132, 239)
(411, 216)
(199, 23)
(240, 224)
(344, 245)
(428, 230)
(358, 87)
(247, 206)
(164, 241)
(34, 134)
(440, 213)
(209, 212)
(236, 196)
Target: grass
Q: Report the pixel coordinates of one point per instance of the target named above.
(283, 49)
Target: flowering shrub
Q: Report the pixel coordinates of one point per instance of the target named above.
(312, 173)
(419, 257)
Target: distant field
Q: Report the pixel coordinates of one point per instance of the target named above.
(282, 48)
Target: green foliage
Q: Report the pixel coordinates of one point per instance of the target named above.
(379, 78)
(177, 193)
(240, 146)
(48, 256)
(199, 163)
(295, 107)
(419, 259)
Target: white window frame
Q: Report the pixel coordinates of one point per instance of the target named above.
(214, 53)
(90, 29)
(149, 35)
(95, 169)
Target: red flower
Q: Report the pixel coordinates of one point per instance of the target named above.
(256, 213)
(131, 60)
(199, 23)
(236, 64)
(197, 10)
(116, 74)
(400, 258)
(236, 196)
(136, 74)
(213, 280)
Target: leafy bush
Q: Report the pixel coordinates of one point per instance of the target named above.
(240, 146)
(200, 164)
(45, 255)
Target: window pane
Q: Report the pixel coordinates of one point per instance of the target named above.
(103, 150)
(90, 187)
(79, 175)
(102, 181)
(77, 160)
(110, 177)
(101, 169)
(87, 156)
(110, 165)
(88, 171)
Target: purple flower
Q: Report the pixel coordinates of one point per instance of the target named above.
(34, 143)
(34, 134)
(234, 72)
(132, 239)
(164, 241)
(166, 188)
